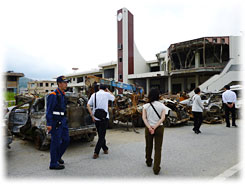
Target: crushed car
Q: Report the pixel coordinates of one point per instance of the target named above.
(128, 107)
(28, 120)
(213, 110)
(213, 106)
(175, 113)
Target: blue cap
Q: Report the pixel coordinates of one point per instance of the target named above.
(61, 79)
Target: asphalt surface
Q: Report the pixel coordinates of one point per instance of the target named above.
(184, 155)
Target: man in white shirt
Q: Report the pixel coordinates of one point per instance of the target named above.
(229, 99)
(99, 101)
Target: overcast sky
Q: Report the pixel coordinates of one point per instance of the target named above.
(47, 38)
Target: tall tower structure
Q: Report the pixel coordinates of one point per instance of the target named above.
(128, 58)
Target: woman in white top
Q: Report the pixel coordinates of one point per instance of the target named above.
(197, 109)
(154, 129)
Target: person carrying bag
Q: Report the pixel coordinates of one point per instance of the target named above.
(100, 116)
(153, 115)
(100, 113)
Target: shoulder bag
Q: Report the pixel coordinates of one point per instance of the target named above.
(100, 113)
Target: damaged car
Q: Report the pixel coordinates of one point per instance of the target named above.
(8, 135)
(213, 110)
(29, 120)
(175, 113)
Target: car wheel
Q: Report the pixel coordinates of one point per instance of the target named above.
(138, 122)
(90, 137)
(167, 122)
(38, 140)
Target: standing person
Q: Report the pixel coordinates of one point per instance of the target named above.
(57, 124)
(197, 109)
(229, 100)
(100, 115)
(153, 115)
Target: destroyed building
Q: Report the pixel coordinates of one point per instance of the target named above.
(207, 62)
(41, 87)
(193, 62)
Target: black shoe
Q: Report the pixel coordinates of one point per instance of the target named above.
(156, 172)
(149, 164)
(228, 126)
(197, 132)
(234, 125)
(61, 161)
(59, 167)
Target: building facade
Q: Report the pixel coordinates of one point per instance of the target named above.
(77, 79)
(12, 81)
(41, 87)
(207, 62)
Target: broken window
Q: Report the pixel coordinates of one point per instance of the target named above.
(79, 79)
(109, 73)
(155, 69)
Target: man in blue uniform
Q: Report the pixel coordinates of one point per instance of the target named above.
(57, 124)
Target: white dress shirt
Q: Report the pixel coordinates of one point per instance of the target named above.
(229, 96)
(151, 115)
(197, 105)
(102, 99)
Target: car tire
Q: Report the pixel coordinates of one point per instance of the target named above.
(138, 122)
(38, 140)
(167, 122)
(90, 137)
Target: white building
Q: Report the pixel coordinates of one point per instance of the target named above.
(41, 87)
(77, 79)
(182, 67)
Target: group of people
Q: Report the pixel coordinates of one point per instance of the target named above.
(57, 121)
(228, 98)
(153, 115)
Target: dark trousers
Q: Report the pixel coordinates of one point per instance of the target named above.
(101, 129)
(197, 120)
(227, 115)
(158, 137)
(59, 142)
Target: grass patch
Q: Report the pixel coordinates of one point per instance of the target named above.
(9, 96)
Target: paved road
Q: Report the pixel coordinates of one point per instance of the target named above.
(184, 155)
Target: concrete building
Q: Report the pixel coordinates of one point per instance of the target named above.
(42, 87)
(12, 81)
(207, 62)
(77, 79)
